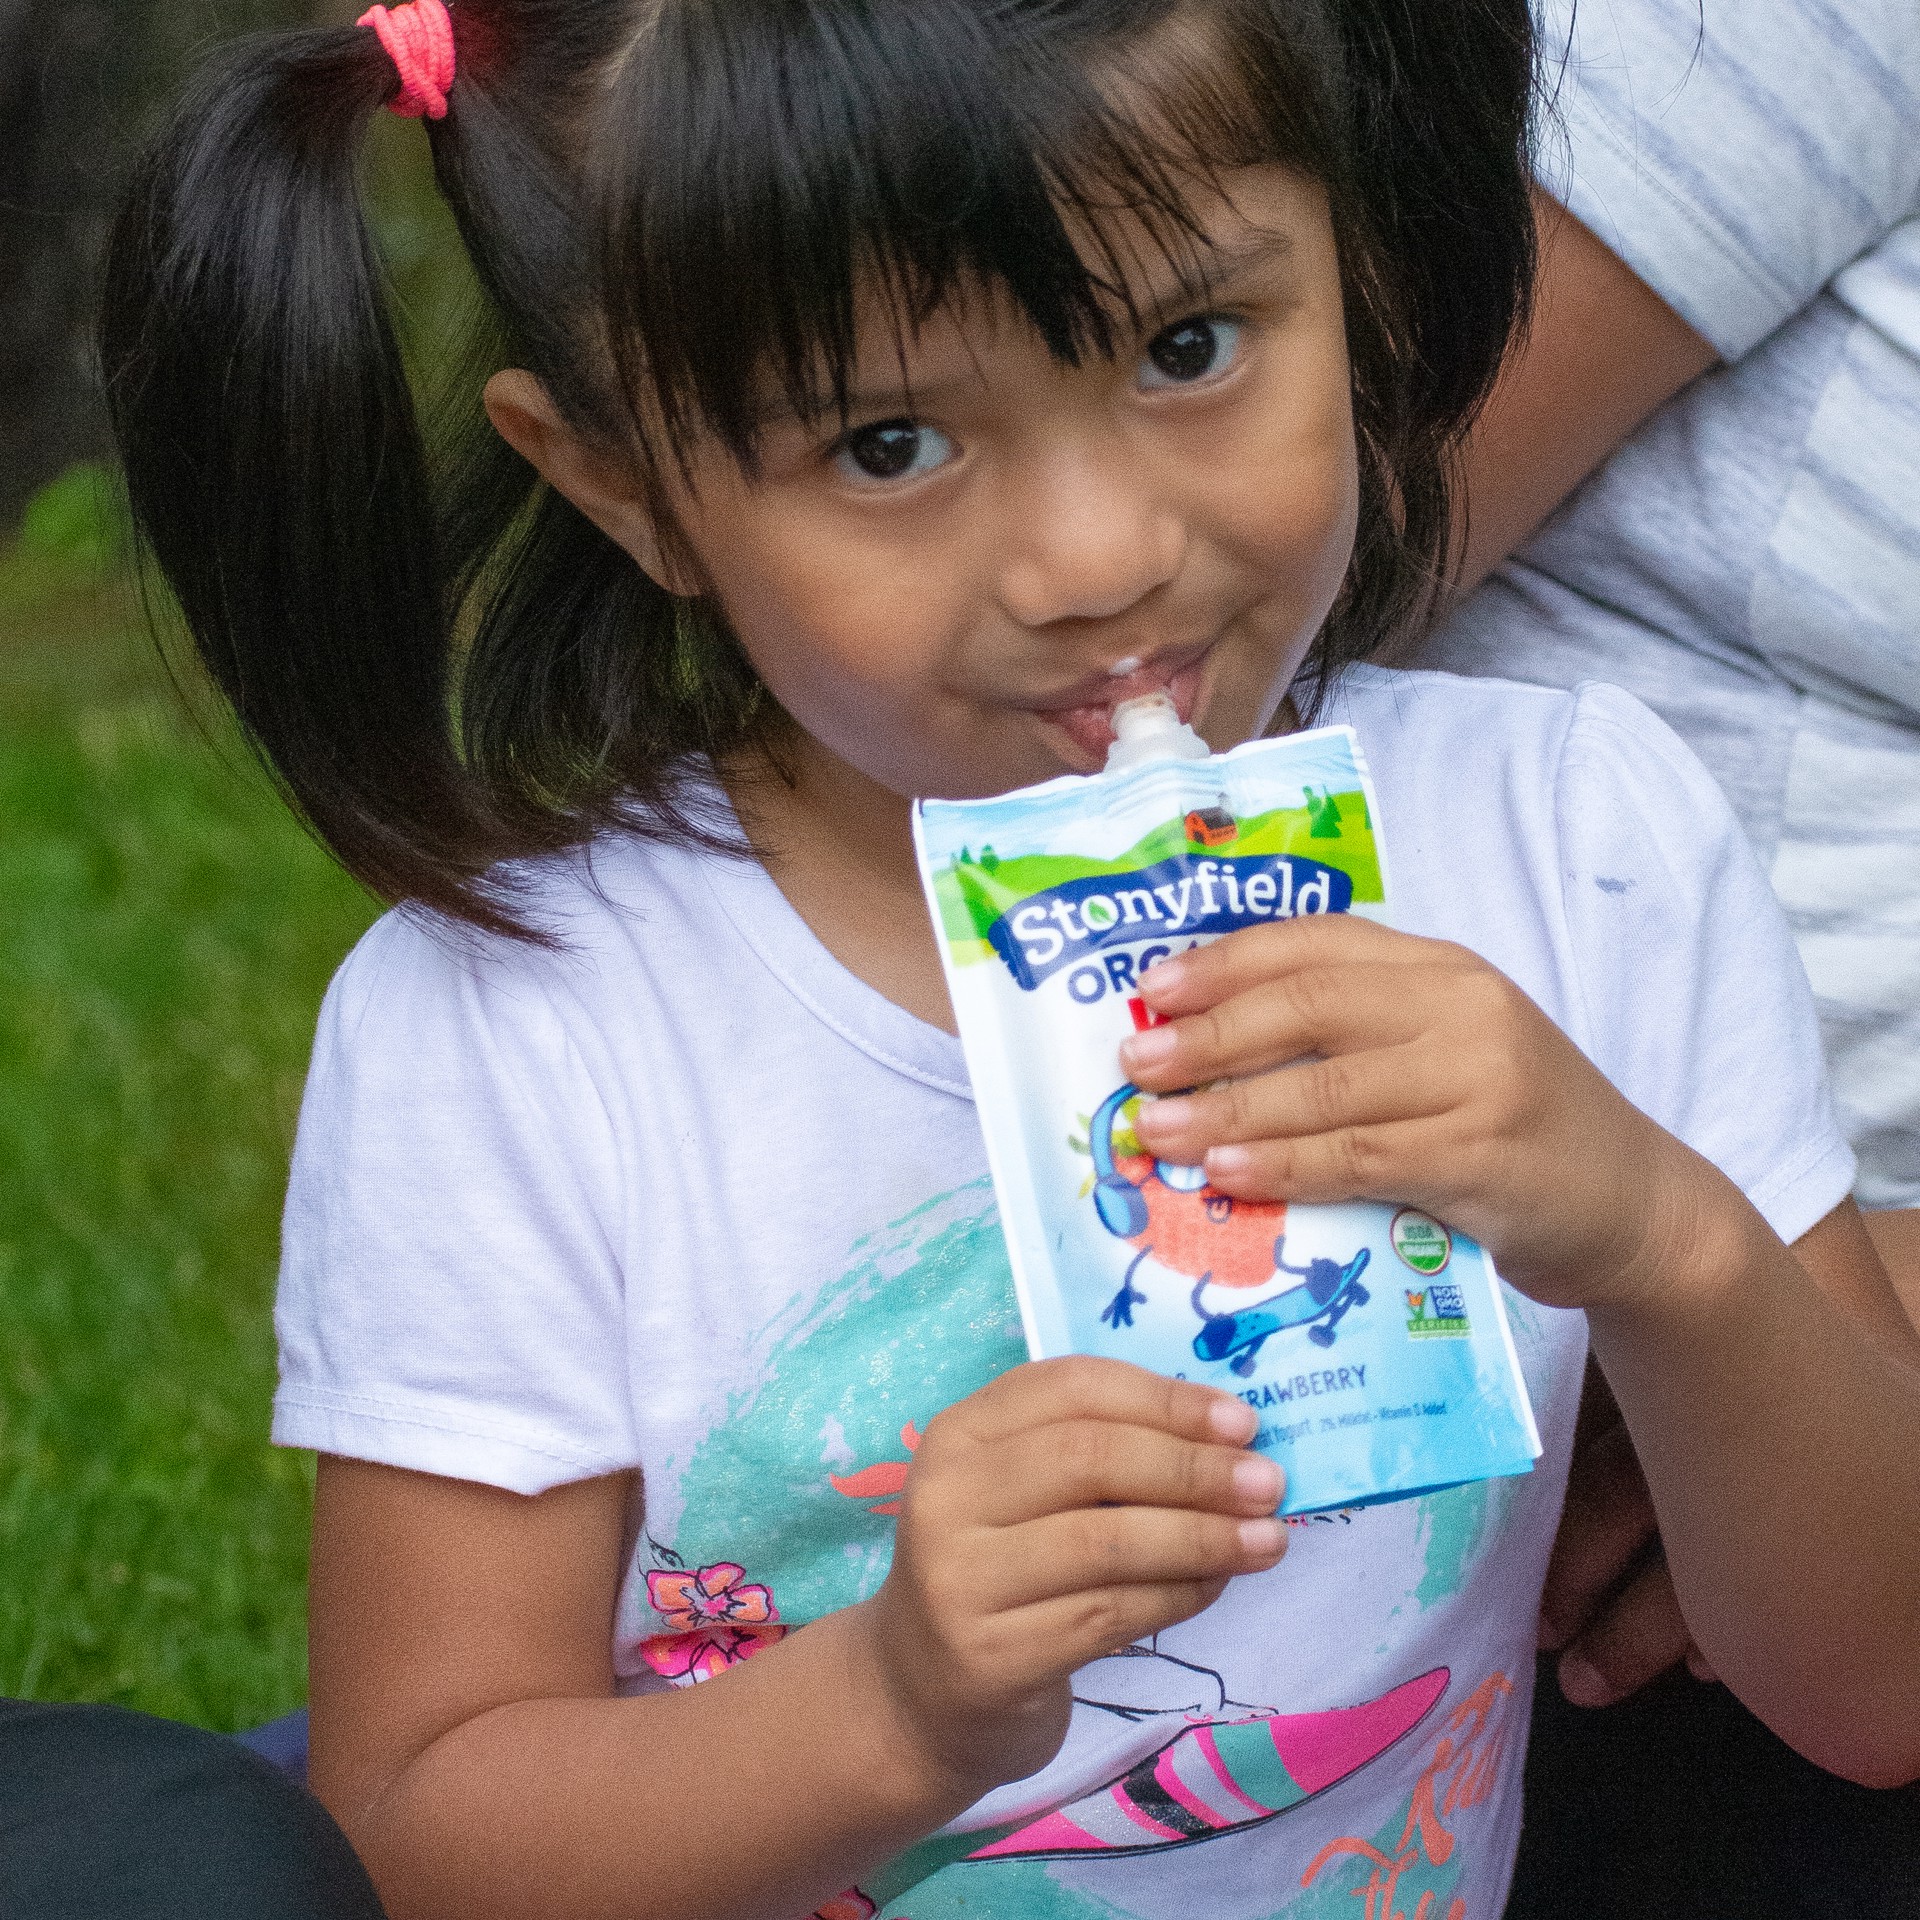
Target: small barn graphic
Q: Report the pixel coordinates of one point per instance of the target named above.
(1212, 827)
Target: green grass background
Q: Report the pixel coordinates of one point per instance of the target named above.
(166, 932)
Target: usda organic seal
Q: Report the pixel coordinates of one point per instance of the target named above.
(1421, 1241)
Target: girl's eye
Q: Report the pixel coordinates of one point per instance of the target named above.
(1190, 350)
(892, 450)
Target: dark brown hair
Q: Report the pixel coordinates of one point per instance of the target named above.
(446, 666)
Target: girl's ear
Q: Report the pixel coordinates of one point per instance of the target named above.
(525, 417)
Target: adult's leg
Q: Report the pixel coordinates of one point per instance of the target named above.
(111, 1815)
(1679, 1805)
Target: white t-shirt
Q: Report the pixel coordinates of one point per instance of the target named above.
(690, 1198)
(1749, 563)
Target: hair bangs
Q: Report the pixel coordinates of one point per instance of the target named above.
(776, 169)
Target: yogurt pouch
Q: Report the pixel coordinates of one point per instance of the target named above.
(1372, 1340)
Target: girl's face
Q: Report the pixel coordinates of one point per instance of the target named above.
(951, 596)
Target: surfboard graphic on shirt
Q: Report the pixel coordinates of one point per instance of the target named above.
(1223, 1776)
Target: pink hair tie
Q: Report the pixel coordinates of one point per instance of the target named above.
(418, 38)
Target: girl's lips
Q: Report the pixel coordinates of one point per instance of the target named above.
(1090, 725)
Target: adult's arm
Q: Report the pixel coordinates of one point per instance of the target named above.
(1604, 353)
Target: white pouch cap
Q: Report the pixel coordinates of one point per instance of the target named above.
(1150, 728)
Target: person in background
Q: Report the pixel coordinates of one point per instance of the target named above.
(1728, 330)
(1701, 480)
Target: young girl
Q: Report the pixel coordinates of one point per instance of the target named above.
(896, 385)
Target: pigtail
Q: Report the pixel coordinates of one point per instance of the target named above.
(275, 465)
(1439, 260)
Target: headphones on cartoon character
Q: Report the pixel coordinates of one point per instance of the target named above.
(1118, 1201)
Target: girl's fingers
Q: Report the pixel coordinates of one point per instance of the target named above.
(1071, 1631)
(1306, 1010)
(1407, 1082)
(1046, 1392)
(1360, 1004)
(1204, 976)
(1093, 1548)
(1391, 1160)
(1101, 1463)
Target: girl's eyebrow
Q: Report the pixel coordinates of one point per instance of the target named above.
(1223, 267)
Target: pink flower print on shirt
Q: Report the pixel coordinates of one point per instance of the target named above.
(715, 1621)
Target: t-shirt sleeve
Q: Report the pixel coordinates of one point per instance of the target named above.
(1735, 155)
(450, 1287)
(1696, 1003)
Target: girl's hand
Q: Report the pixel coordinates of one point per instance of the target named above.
(1341, 1060)
(1063, 1511)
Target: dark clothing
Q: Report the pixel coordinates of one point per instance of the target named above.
(1679, 1805)
(111, 1815)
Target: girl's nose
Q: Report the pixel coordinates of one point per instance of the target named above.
(1088, 537)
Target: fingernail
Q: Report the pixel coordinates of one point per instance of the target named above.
(1162, 1119)
(1232, 1419)
(1163, 976)
(1258, 1479)
(1261, 1539)
(1229, 1161)
(1148, 1049)
(1582, 1682)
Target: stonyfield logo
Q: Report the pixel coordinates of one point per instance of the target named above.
(1051, 930)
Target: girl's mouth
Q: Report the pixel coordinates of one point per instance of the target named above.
(1089, 724)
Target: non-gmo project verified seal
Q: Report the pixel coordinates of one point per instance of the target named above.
(1436, 1312)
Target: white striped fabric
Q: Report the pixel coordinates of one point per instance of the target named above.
(1750, 563)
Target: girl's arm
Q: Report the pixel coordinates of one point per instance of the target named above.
(1896, 1238)
(1775, 1408)
(1609, 1608)
(466, 1733)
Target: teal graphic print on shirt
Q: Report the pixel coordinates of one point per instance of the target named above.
(786, 1506)
(1453, 1530)
(785, 1512)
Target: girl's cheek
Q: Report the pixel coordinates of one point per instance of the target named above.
(1313, 526)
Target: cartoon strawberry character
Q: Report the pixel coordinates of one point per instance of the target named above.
(1196, 1230)
(1232, 1251)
